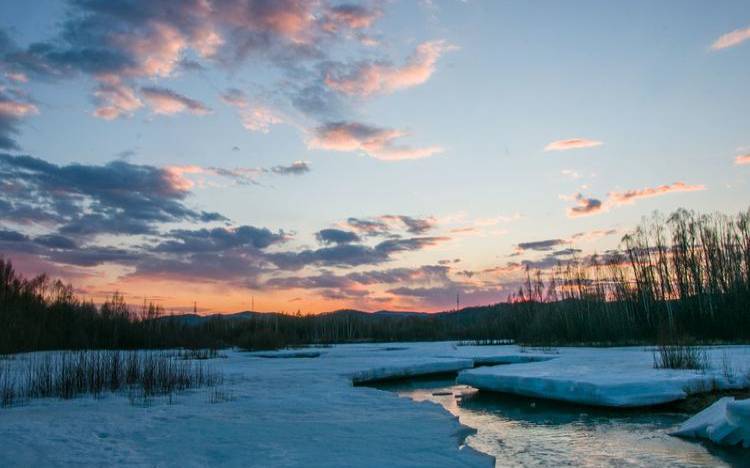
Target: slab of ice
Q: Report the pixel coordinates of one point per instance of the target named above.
(616, 377)
(401, 370)
(726, 422)
(287, 354)
(508, 359)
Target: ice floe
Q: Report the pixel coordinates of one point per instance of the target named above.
(726, 422)
(617, 377)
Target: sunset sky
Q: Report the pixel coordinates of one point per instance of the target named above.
(316, 155)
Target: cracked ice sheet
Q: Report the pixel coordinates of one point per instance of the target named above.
(617, 377)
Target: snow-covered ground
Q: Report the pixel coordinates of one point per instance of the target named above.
(277, 412)
(304, 410)
(725, 422)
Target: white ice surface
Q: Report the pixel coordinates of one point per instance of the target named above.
(618, 377)
(306, 412)
(726, 422)
(280, 412)
(406, 368)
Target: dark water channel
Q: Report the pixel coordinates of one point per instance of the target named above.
(534, 432)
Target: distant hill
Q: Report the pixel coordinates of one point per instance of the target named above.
(467, 313)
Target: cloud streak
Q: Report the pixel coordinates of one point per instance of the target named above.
(350, 16)
(167, 102)
(731, 39)
(254, 117)
(118, 197)
(350, 255)
(543, 245)
(380, 143)
(630, 196)
(584, 207)
(572, 143)
(240, 175)
(14, 107)
(296, 168)
(589, 206)
(390, 225)
(368, 78)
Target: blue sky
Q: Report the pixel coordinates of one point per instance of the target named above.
(436, 121)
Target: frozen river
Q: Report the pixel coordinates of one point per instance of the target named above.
(299, 408)
(521, 431)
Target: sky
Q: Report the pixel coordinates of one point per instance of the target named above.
(315, 155)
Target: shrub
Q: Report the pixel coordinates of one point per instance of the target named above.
(69, 374)
(199, 354)
(680, 356)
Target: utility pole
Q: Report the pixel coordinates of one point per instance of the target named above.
(457, 303)
(195, 307)
(252, 307)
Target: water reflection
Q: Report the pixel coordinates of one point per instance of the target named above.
(521, 431)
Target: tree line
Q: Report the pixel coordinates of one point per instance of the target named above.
(684, 277)
(680, 278)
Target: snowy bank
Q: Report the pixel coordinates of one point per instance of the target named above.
(293, 412)
(302, 411)
(726, 422)
(616, 377)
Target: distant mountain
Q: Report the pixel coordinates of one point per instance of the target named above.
(463, 314)
(196, 319)
(379, 313)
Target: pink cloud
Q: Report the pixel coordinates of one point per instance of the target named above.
(177, 180)
(16, 109)
(742, 159)
(589, 206)
(235, 97)
(350, 16)
(150, 39)
(115, 99)
(156, 35)
(167, 102)
(623, 198)
(584, 207)
(572, 143)
(156, 48)
(175, 176)
(17, 77)
(374, 141)
(255, 117)
(731, 39)
(592, 235)
(31, 265)
(293, 20)
(370, 78)
(259, 118)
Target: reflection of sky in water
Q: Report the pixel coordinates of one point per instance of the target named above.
(530, 432)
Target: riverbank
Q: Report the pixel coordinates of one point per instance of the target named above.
(286, 409)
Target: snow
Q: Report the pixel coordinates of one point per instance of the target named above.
(726, 422)
(278, 412)
(287, 354)
(305, 410)
(406, 369)
(616, 377)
